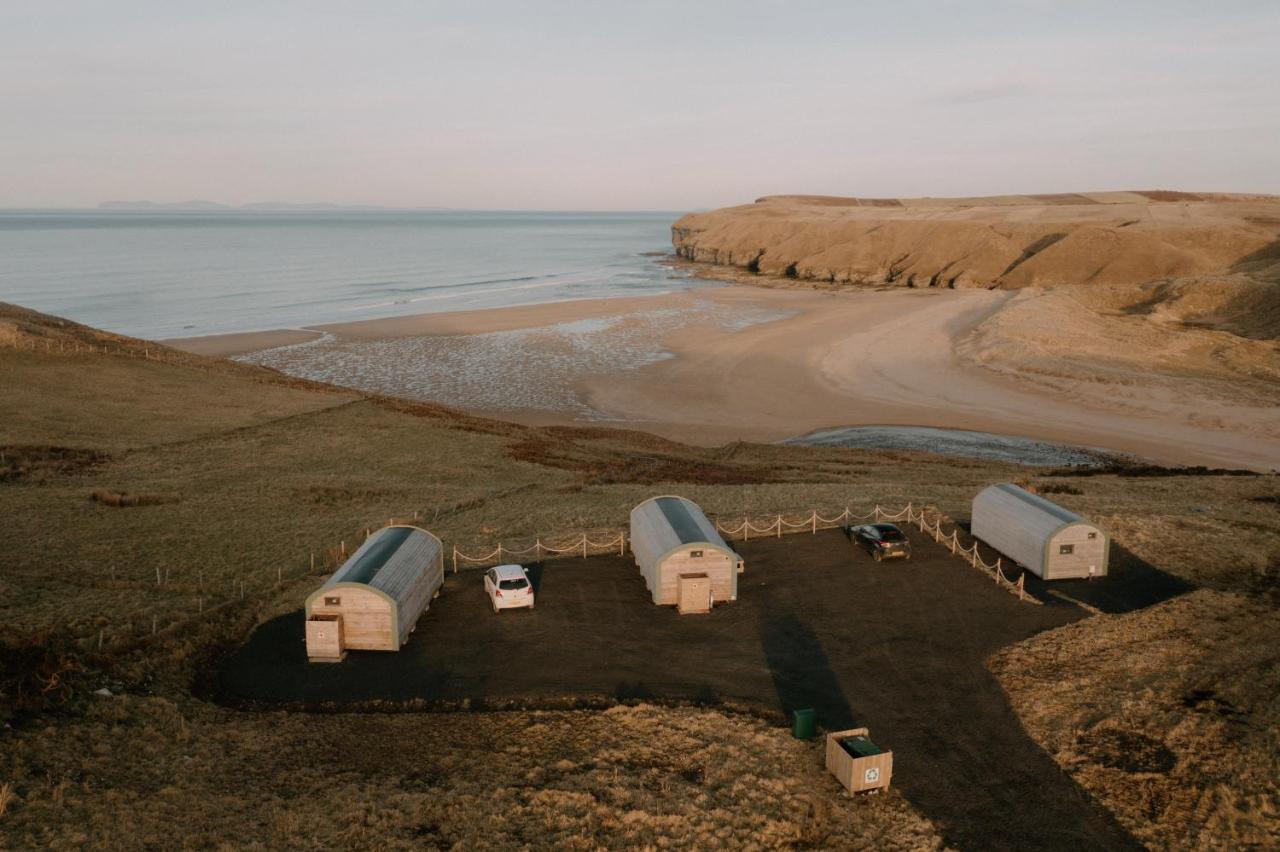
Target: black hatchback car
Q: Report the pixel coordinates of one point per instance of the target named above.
(882, 541)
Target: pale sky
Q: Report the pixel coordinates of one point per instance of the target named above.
(630, 105)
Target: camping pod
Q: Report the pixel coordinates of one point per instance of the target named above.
(372, 602)
(671, 537)
(1049, 541)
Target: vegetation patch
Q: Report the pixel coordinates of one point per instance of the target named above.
(1130, 751)
(603, 466)
(37, 463)
(123, 499)
(37, 675)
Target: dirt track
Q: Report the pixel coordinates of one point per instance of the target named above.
(899, 647)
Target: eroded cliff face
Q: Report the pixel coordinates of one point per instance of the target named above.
(1114, 238)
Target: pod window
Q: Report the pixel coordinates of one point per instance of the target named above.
(1064, 549)
(1092, 536)
(332, 601)
(695, 553)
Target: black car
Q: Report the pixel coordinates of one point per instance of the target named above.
(881, 540)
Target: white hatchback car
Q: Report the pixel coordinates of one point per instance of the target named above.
(508, 587)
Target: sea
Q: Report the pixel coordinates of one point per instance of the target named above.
(178, 273)
(185, 273)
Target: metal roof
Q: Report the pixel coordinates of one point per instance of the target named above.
(682, 522)
(1064, 515)
(365, 564)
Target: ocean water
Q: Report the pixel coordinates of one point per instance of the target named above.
(186, 273)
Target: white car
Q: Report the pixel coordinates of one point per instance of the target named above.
(508, 587)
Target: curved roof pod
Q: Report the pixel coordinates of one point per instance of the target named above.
(1025, 527)
(682, 523)
(390, 564)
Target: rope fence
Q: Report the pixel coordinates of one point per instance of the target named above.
(615, 541)
(209, 598)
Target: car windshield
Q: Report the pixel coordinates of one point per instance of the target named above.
(508, 585)
(890, 534)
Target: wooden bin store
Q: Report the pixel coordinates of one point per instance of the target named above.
(861, 767)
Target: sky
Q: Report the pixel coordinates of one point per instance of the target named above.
(630, 105)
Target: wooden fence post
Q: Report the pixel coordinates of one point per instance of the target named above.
(622, 545)
(584, 545)
(537, 550)
(779, 522)
(815, 521)
(746, 529)
(455, 559)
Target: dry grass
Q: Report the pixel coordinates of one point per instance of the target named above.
(142, 601)
(121, 499)
(1169, 716)
(626, 777)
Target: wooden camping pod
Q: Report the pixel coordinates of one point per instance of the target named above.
(375, 598)
(1049, 541)
(671, 536)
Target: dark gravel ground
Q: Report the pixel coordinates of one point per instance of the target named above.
(899, 647)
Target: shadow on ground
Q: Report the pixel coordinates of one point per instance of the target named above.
(898, 646)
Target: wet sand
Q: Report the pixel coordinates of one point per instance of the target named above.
(717, 364)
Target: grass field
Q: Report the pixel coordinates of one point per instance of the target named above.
(143, 600)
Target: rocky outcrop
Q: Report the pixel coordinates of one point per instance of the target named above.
(998, 242)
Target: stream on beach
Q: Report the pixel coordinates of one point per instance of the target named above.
(961, 443)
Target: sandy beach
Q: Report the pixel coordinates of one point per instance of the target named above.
(718, 364)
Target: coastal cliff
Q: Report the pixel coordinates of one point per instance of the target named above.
(1008, 242)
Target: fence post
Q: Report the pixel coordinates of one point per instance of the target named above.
(1022, 581)
(779, 522)
(584, 545)
(815, 521)
(622, 544)
(537, 550)
(455, 559)
(746, 528)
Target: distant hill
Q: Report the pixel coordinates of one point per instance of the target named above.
(256, 205)
(166, 205)
(1009, 242)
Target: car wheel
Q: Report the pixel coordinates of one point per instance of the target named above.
(878, 556)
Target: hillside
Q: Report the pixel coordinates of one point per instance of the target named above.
(1011, 242)
(260, 470)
